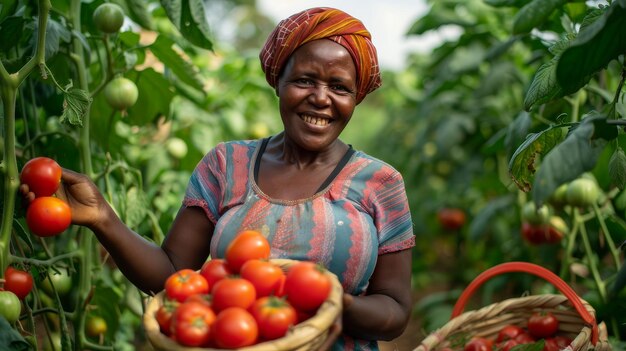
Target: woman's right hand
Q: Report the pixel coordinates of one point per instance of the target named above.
(85, 200)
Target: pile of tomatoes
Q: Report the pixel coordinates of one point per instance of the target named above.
(540, 327)
(242, 299)
(46, 215)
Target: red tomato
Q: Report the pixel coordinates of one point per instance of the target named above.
(562, 341)
(247, 245)
(550, 345)
(184, 283)
(235, 327)
(42, 175)
(451, 218)
(164, 314)
(48, 216)
(202, 298)
(542, 325)
(306, 285)
(508, 332)
(192, 322)
(525, 338)
(274, 316)
(478, 344)
(267, 278)
(232, 292)
(508, 344)
(214, 270)
(18, 282)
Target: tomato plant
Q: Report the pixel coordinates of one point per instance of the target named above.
(10, 306)
(42, 175)
(96, 326)
(18, 282)
(267, 278)
(48, 216)
(232, 292)
(235, 327)
(164, 313)
(306, 285)
(274, 316)
(121, 93)
(108, 17)
(214, 270)
(247, 245)
(542, 324)
(184, 283)
(451, 218)
(192, 322)
(582, 192)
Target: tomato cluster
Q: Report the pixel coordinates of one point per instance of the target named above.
(242, 299)
(541, 326)
(46, 215)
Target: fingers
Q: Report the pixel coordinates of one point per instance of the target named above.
(29, 196)
(70, 176)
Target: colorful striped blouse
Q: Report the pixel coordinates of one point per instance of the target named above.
(361, 214)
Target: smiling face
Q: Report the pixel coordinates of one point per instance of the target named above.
(317, 92)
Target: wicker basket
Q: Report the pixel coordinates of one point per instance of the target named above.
(308, 335)
(576, 317)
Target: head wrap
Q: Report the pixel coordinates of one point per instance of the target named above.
(322, 23)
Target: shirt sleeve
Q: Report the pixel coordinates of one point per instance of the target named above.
(392, 215)
(204, 188)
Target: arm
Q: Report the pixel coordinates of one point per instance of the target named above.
(383, 312)
(144, 263)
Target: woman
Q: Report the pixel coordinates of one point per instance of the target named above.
(312, 195)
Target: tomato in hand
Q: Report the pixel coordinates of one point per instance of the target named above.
(214, 270)
(42, 175)
(235, 327)
(274, 316)
(508, 332)
(184, 283)
(18, 282)
(48, 216)
(478, 344)
(542, 324)
(307, 286)
(10, 306)
(192, 323)
(451, 218)
(247, 245)
(267, 278)
(164, 314)
(232, 292)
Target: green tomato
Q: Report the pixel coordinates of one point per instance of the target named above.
(61, 280)
(96, 326)
(108, 18)
(534, 215)
(53, 343)
(176, 147)
(582, 192)
(121, 93)
(558, 196)
(10, 306)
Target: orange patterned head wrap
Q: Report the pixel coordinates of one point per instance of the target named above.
(322, 23)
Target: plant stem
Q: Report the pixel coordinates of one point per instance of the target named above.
(607, 236)
(591, 257)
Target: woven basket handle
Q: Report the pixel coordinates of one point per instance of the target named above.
(534, 269)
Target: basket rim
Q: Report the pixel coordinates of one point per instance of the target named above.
(298, 336)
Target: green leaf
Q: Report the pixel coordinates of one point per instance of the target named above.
(577, 154)
(55, 34)
(620, 281)
(139, 13)
(522, 164)
(437, 17)
(505, 3)
(162, 48)
(517, 131)
(7, 7)
(533, 14)
(617, 168)
(136, 207)
(155, 95)
(22, 234)
(11, 31)
(75, 106)
(594, 47)
(10, 339)
(543, 87)
(189, 18)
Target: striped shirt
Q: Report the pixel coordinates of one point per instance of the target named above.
(361, 214)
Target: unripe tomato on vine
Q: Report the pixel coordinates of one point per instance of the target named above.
(121, 93)
(108, 18)
(582, 192)
(536, 215)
